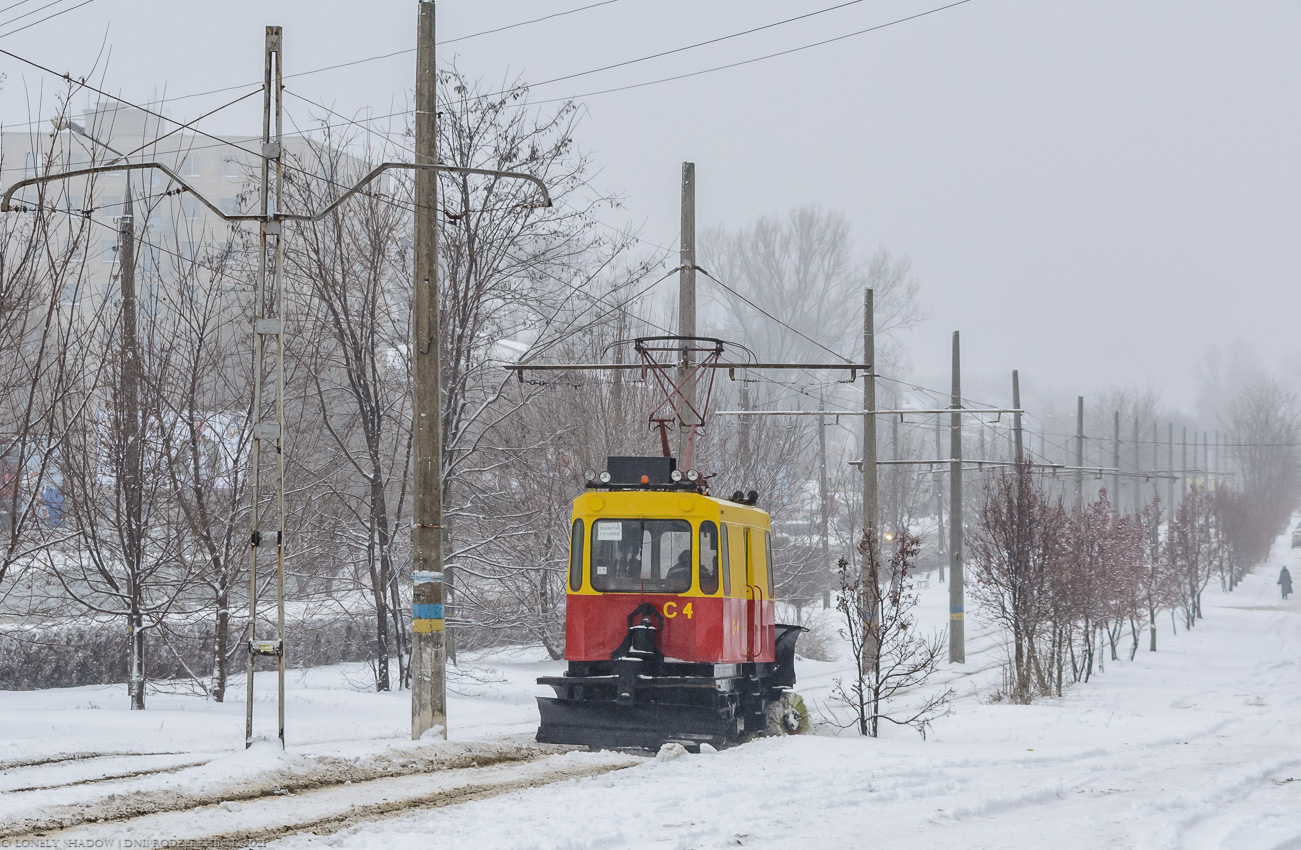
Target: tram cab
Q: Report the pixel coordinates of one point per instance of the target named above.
(670, 624)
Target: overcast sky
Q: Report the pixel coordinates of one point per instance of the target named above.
(1092, 192)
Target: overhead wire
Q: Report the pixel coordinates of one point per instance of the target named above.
(685, 47)
(14, 6)
(223, 89)
(47, 17)
(750, 61)
(35, 11)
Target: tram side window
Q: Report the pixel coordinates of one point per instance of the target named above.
(641, 555)
(708, 558)
(576, 556)
(727, 562)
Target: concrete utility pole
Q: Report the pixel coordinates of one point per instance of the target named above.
(1138, 484)
(1019, 455)
(268, 360)
(941, 544)
(1183, 467)
(133, 475)
(896, 481)
(957, 605)
(1115, 464)
(1156, 460)
(1218, 458)
(1170, 484)
(822, 499)
(747, 461)
(428, 646)
(1206, 459)
(687, 308)
(869, 577)
(1078, 502)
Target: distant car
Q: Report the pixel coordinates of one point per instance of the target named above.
(1296, 538)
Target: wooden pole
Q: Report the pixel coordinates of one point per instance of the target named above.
(428, 647)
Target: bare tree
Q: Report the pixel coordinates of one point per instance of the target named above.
(204, 397)
(1264, 420)
(42, 275)
(802, 268)
(1015, 547)
(906, 659)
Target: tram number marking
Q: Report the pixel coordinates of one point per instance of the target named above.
(736, 626)
(671, 610)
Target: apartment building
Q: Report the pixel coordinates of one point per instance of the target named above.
(174, 228)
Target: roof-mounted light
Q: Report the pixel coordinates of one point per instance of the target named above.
(676, 475)
(589, 475)
(605, 477)
(692, 475)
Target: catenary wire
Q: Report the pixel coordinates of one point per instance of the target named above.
(378, 57)
(47, 18)
(35, 11)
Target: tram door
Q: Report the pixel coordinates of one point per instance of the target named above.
(754, 572)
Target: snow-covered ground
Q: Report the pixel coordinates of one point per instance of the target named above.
(1189, 747)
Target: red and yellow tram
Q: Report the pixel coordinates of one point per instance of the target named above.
(670, 627)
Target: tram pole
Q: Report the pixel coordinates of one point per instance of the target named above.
(940, 546)
(1016, 418)
(1170, 467)
(687, 313)
(823, 536)
(868, 574)
(1078, 501)
(1115, 464)
(957, 605)
(428, 646)
(1137, 500)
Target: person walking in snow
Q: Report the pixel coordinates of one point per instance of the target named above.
(1285, 581)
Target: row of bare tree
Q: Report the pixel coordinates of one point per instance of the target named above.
(1065, 584)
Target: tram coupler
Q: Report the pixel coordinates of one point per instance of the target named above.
(638, 653)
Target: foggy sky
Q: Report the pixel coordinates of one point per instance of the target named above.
(1093, 193)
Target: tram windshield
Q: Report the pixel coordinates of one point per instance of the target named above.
(641, 555)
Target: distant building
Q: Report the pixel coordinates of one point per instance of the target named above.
(173, 229)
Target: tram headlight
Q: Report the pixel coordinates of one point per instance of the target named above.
(605, 477)
(676, 475)
(589, 475)
(692, 475)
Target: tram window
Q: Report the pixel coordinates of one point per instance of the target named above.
(708, 557)
(727, 562)
(641, 555)
(576, 556)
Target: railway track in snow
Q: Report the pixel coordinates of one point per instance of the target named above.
(320, 795)
(326, 810)
(78, 769)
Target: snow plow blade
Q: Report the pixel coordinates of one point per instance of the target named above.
(645, 725)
